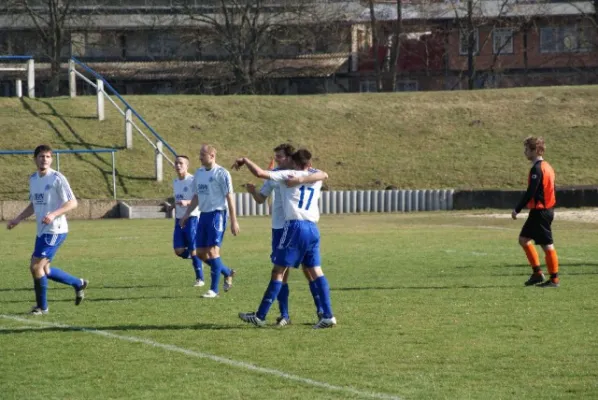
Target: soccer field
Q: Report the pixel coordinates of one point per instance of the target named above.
(429, 306)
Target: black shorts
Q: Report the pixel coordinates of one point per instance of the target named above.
(537, 226)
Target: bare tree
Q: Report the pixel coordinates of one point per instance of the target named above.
(375, 29)
(50, 19)
(244, 32)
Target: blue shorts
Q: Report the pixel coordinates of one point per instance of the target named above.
(299, 245)
(276, 236)
(210, 229)
(185, 237)
(47, 245)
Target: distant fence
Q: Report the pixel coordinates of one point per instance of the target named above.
(128, 112)
(362, 201)
(24, 64)
(59, 152)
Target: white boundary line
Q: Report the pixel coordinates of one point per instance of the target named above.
(211, 357)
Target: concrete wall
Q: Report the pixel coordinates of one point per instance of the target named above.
(88, 209)
(507, 199)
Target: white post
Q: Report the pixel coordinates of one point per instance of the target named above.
(72, 79)
(30, 78)
(159, 171)
(100, 96)
(129, 128)
(19, 87)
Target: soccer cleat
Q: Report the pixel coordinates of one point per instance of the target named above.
(548, 284)
(79, 293)
(251, 318)
(210, 294)
(228, 281)
(282, 321)
(38, 311)
(199, 283)
(325, 323)
(534, 279)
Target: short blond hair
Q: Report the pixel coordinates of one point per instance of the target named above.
(535, 143)
(209, 148)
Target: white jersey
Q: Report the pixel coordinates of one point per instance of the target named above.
(299, 202)
(47, 194)
(183, 190)
(271, 187)
(212, 187)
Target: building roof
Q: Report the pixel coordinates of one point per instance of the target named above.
(451, 9)
(307, 66)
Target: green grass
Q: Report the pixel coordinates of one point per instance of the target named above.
(368, 141)
(430, 306)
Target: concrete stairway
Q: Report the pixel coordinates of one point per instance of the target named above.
(145, 211)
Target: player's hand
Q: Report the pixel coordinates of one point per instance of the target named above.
(250, 187)
(234, 228)
(12, 224)
(514, 214)
(292, 181)
(49, 218)
(183, 203)
(183, 221)
(239, 162)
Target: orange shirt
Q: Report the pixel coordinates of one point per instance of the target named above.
(540, 193)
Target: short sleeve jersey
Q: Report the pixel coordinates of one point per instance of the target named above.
(183, 190)
(299, 202)
(47, 194)
(211, 187)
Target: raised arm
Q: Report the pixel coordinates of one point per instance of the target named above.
(311, 178)
(253, 167)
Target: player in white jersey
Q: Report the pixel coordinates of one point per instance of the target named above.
(213, 193)
(50, 198)
(183, 239)
(300, 242)
(282, 156)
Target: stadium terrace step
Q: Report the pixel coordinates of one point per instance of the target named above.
(145, 211)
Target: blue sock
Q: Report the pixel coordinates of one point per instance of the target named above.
(283, 300)
(269, 296)
(313, 287)
(58, 275)
(184, 254)
(324, 292)
(197, 267)
(41, 292)
(224, 270)
(214, 274)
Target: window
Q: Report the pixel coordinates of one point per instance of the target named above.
(463, 41)
(502, 41)
(565, 39)
(406, 86)
(367, 86)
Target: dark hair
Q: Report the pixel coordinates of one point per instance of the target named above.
(182, 156)
(301, 158)
(42, 148)
(287, 148)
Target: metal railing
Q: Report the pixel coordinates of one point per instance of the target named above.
(101, 85)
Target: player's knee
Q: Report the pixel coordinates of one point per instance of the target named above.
(547, 247)
(37, 267)
(183, 253)
(523, 241)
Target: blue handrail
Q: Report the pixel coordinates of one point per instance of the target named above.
(115, 93)
(16, 57)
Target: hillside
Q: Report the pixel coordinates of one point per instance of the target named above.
(369, 141)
